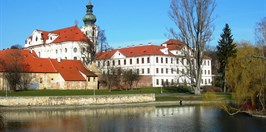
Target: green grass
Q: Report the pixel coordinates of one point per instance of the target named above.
(87, 92)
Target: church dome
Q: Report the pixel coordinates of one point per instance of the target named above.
(89, 18)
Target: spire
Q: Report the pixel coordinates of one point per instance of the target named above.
(89, 18)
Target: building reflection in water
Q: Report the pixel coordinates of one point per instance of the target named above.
(124, 119)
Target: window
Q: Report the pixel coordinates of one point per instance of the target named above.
(162, 60)
(157, 81)
(209, 72)
(171, 60)
(113, 63)
(205, 81)
(162, 81)
(205, 72)
(172, 82)
(94, 79)
(56, 51)
(172, 71)
(137, 60)
(183, 71)
(166, 60)
(157, 60)
(162, 70)
(125, 61)
(166, 70)
(177, 71)
(99, 64)
(108, 63)
(130, 61)
(177, 61)
(157, 70)
(66, 58)
(75, 58)
(142, 71)
(209, 81)
(137, 71)
(41, 80)
(83, 50)
(142, 60)
(65, 50)
(148, 60)
(75, 50)
(208, 63)
(89, 79)
(36, 39)
(148, 70)
(118, 62)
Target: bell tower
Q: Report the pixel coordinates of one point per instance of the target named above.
(89, 28)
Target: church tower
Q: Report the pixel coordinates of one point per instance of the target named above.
(89, 28)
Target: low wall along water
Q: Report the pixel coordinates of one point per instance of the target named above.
(75, 100)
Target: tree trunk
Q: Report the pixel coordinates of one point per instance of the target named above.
(224, 80)
(262, 99)
(224, 85)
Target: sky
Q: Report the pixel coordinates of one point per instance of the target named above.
(126, 22)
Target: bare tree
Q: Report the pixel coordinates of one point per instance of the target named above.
(14, 67)
(130, 77)
(194, 21)
(260, 32)
(111, 77)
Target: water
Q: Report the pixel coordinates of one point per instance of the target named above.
(131, 119)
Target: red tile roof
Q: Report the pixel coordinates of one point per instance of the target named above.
(70, 70)
(29, 59)
(66, 34)
(134, 51)
(174, 44)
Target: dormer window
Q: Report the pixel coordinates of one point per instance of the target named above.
(36, 39)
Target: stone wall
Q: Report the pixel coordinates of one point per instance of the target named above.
(76, 100)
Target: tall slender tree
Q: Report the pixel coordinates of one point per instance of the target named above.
(226, 48)
(194, 21)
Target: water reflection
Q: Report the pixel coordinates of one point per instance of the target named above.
(143, 119)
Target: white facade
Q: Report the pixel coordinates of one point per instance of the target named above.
(163, 68)
(68, 43)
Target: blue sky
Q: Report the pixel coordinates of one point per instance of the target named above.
(125, 22)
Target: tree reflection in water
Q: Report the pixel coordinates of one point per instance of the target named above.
(150, 118)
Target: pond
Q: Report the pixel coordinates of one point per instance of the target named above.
(131, 119)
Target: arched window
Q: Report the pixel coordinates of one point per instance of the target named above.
(75, 50)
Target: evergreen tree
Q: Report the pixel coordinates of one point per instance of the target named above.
(226, 48)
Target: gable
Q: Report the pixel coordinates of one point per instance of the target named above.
(118, 55)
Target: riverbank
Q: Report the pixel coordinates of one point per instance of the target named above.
(54, 101)
(92, 106)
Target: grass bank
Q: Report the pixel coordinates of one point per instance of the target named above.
(169, 94)
(89, 92)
